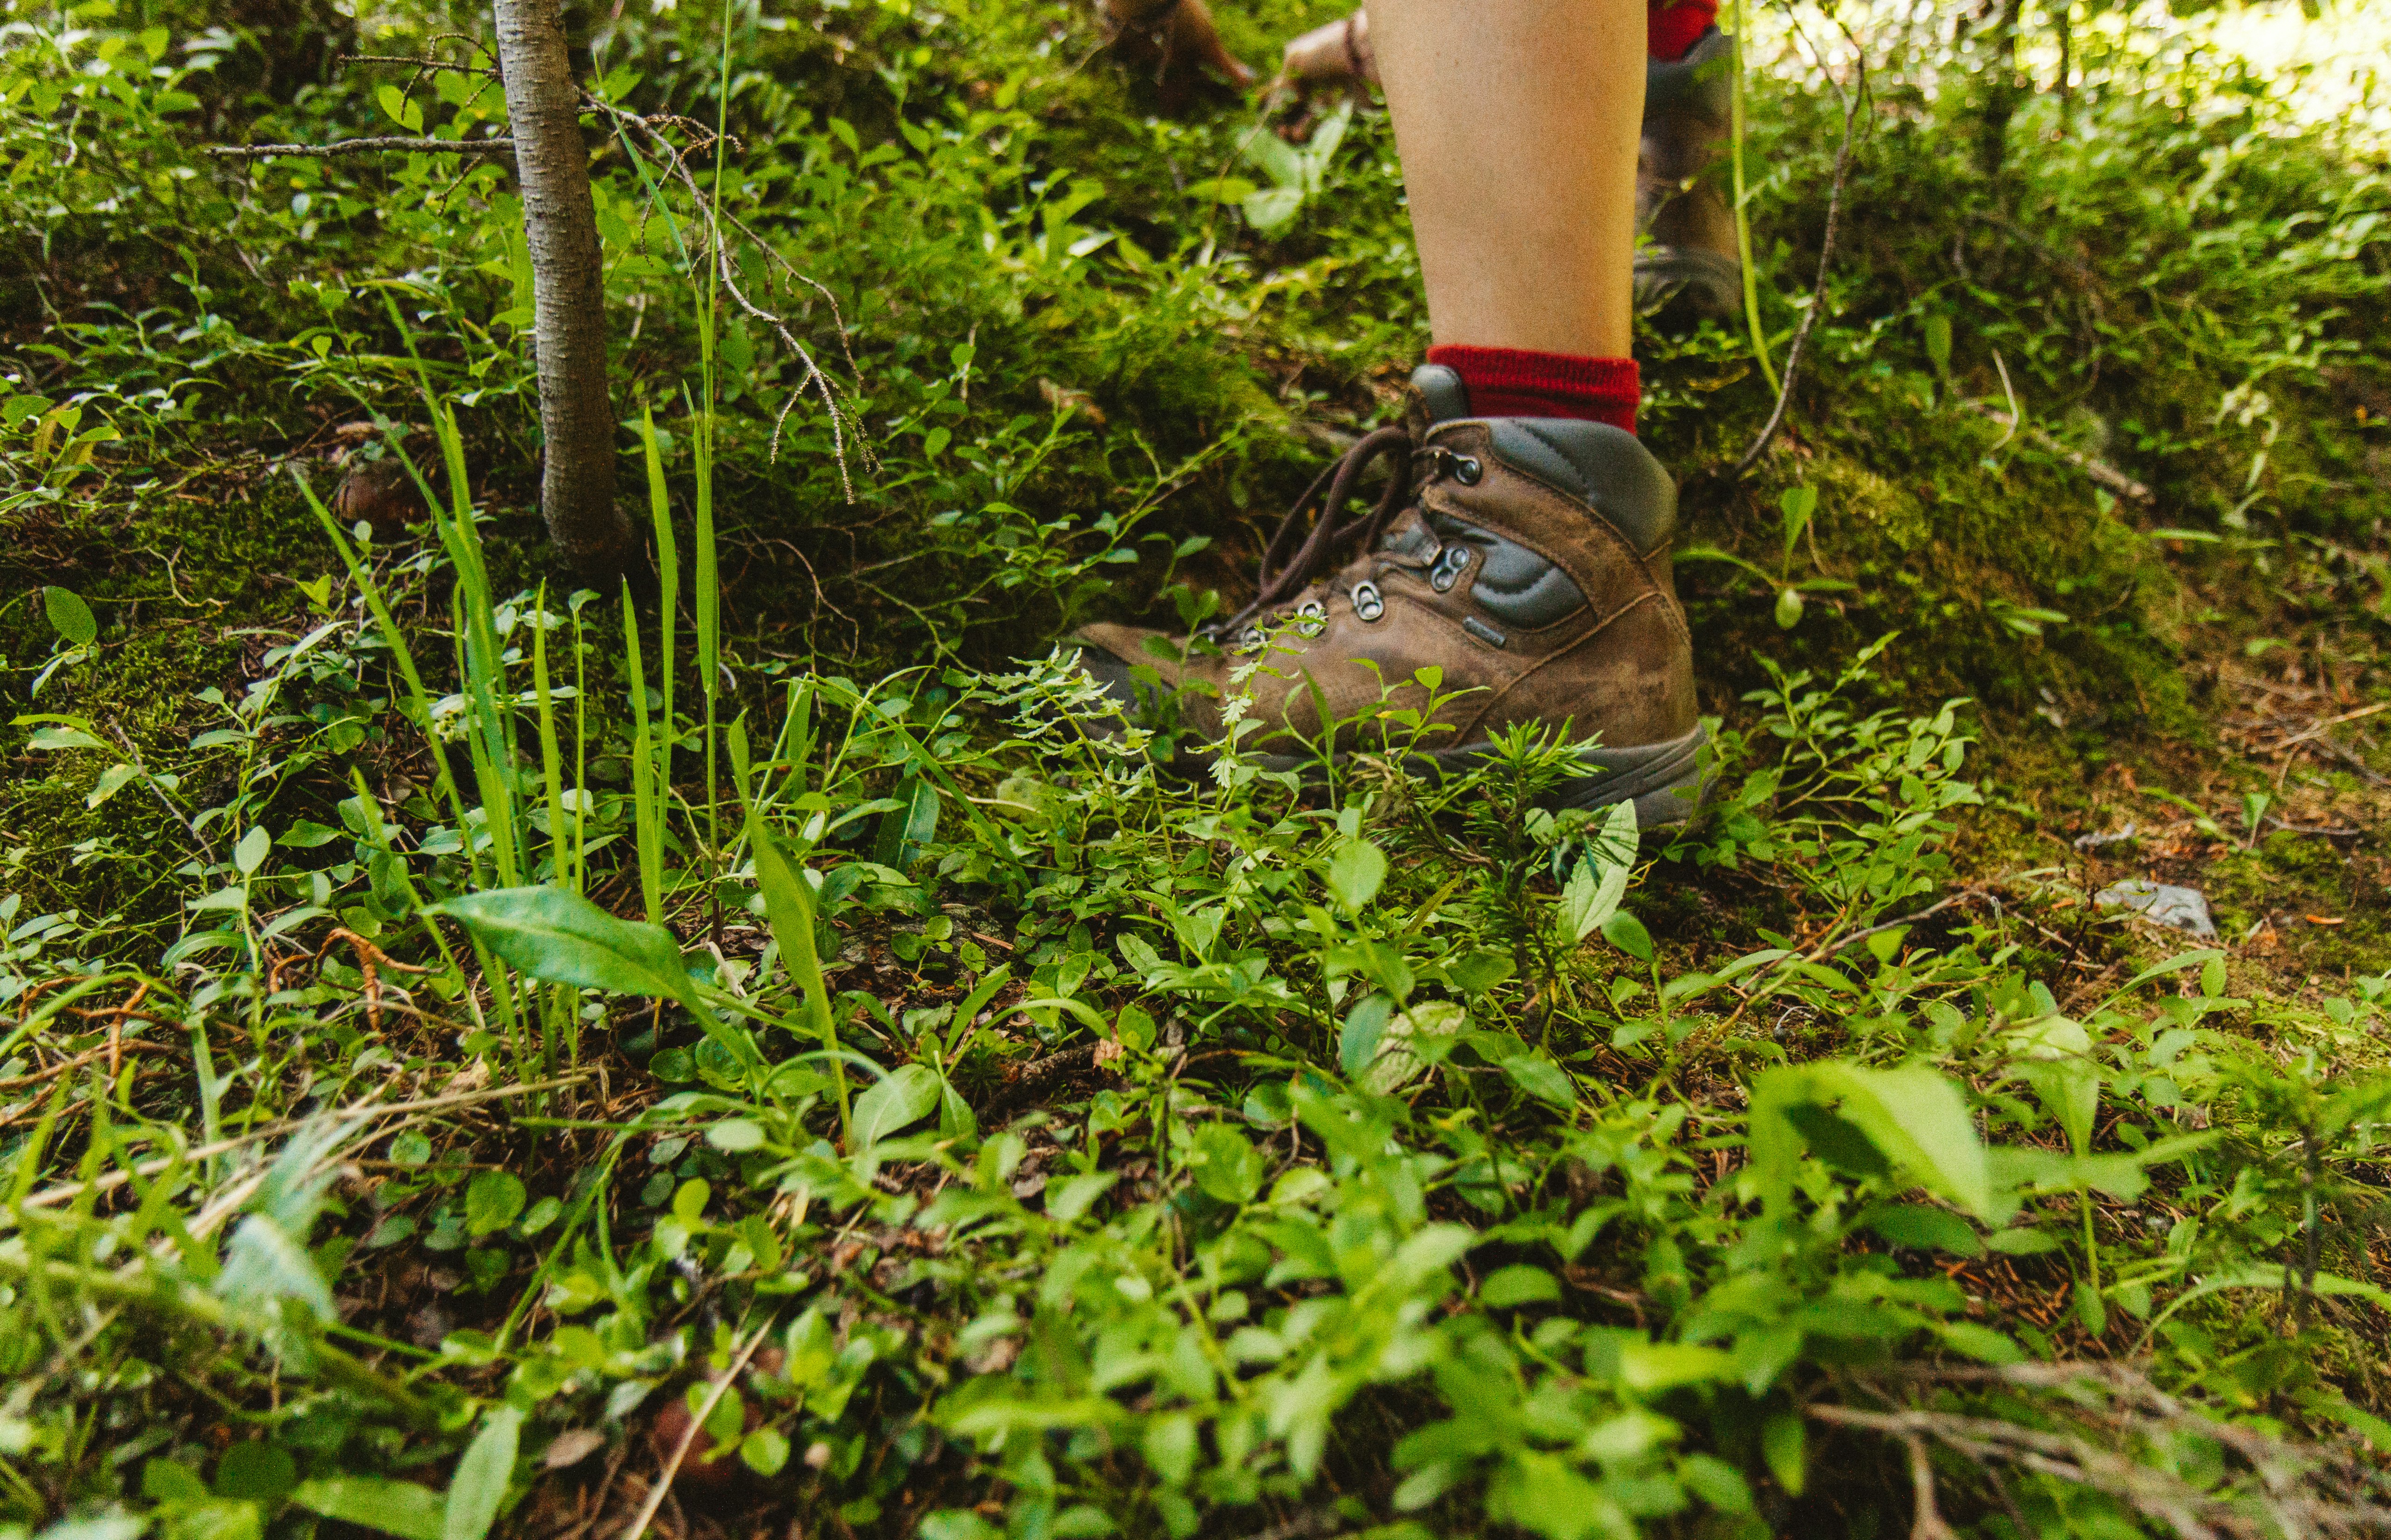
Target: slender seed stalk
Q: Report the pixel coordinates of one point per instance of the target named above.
(1742, 220)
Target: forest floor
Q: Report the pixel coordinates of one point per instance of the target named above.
(724, 1057)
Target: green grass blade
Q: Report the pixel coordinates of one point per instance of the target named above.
(551, 757)
(1742, 218)
(646, 815)
(418, 700)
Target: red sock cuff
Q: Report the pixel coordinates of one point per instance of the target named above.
(1670, 28)
(1512, 382)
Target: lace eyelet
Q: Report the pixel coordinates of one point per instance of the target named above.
(1311, 617)
(1466, 469)
(1368, 602)
(1446, 570)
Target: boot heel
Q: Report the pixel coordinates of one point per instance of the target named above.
(1667, 782)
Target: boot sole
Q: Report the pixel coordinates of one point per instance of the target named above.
(1668, 781)
(1672, 281)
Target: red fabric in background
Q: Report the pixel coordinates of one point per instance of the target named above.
(1672, 29)
(1513, 381)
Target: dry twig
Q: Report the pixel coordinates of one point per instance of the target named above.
(1826, 264)
(380, 145)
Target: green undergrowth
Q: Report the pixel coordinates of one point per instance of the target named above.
(483, 1052)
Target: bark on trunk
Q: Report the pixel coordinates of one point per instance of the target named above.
(577, 492)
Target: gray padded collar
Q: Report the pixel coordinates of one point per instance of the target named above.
(1697, 85)
(1595, 463)
(1438, 391)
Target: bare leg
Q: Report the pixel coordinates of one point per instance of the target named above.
(1518, 121)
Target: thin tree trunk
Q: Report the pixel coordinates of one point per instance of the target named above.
(577, 490)
(2004, 87)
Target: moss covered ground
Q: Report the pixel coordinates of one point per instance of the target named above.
(2094, 425)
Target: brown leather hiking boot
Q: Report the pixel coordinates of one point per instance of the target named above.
(1689, 264)
(1526, 557)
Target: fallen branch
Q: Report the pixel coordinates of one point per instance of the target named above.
(2102, 474)
(393, 145)
(2298, 1489)
(647, 1514)
(1818, 292)
(422, 64)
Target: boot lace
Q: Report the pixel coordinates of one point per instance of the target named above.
(1296, 555)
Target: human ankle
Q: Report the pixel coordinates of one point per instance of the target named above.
(1511, 382)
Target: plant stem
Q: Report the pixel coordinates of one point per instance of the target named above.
(1743, 222)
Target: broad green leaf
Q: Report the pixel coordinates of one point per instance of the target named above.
(1938, 342)
(480, 1484)
(1396, 1065)
(1354, 873)
(1924, 1229)
(736, 1135)
(1600, 881)
(2023, 1242)
(1275, 158)
(1221, 189)
(1914, 1117)
(256, 1471)
(1542, 1079)
(113, 780)
(1507, 1288)
(1171, 1448)
(2173, 964)
(905, 828)
(249, 854)
(904, 1096)
(1425, 1255)
(1626, 932)
(558, 937)
(1547, 1495)
(1920, 1122)
(166, 1480)
(1227, 1165)
(1646, 1367)
(492, 1201)
(1069, 1199)
(402, 1508)
(2070, 1090)
(1273, 208)
(1326, 136)
(789, 906)
(62, 737)
(1480, 971)
(1796, 504)
(766, 1451)
(1364, 1025)
(1784, 1446)
(69, 616)
(1979, 1342)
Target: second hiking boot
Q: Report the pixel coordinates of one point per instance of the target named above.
(1526, 557)
(1689, 265)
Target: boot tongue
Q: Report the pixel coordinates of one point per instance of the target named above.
(1437, 395)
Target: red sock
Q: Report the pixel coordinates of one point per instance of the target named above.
(1670, 28)
(1513, 382)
